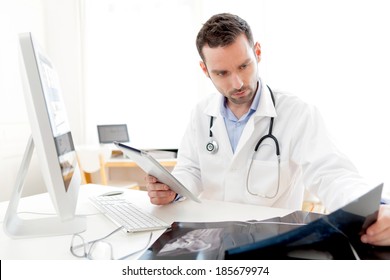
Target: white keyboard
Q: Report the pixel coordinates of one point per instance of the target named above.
(126, 214)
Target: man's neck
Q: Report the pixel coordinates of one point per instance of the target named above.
(239, 109)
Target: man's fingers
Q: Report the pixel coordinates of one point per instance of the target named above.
(157, 187)
(150, 179)
(159, 193)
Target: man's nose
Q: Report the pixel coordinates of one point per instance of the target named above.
(237, 81)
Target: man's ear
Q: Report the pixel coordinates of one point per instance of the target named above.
(204, 68)
(257, 49)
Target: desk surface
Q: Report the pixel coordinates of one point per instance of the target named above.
(98, 225)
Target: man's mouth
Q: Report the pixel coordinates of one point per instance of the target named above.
(239, 93)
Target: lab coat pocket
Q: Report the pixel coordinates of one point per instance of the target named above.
(266, 180)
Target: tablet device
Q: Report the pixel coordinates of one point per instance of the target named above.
(154, 168)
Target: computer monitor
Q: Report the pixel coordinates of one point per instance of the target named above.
(52, 139)
(110, 133)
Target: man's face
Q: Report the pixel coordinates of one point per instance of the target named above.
(233, 70)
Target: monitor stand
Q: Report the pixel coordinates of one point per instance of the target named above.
(16, 227)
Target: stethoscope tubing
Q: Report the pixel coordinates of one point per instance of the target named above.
(212, 147)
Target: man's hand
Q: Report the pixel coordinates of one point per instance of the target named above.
(159, 193)
(379, 233)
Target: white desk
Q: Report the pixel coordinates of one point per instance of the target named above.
(98, 225)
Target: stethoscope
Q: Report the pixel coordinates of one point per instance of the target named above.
(212, 148)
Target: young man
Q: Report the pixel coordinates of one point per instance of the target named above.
(253, 145)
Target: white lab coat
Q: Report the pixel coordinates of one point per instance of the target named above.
(309, 160)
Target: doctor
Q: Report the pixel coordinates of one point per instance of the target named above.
(255, 145)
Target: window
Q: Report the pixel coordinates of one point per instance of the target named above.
(142, 65)
(141, 68)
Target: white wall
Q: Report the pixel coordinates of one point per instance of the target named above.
(334, 54)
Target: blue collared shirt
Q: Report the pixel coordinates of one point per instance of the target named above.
(235, 126)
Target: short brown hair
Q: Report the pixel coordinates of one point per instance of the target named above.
(222, 30)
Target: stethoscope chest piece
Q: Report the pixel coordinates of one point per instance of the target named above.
(212, 146)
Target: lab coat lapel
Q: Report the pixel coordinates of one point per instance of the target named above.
(219, 128)
(246, 135)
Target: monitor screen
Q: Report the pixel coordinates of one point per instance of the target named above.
(111, 133)
(60, 131)
(53, 143)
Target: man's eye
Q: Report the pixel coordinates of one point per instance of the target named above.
(221, 74)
